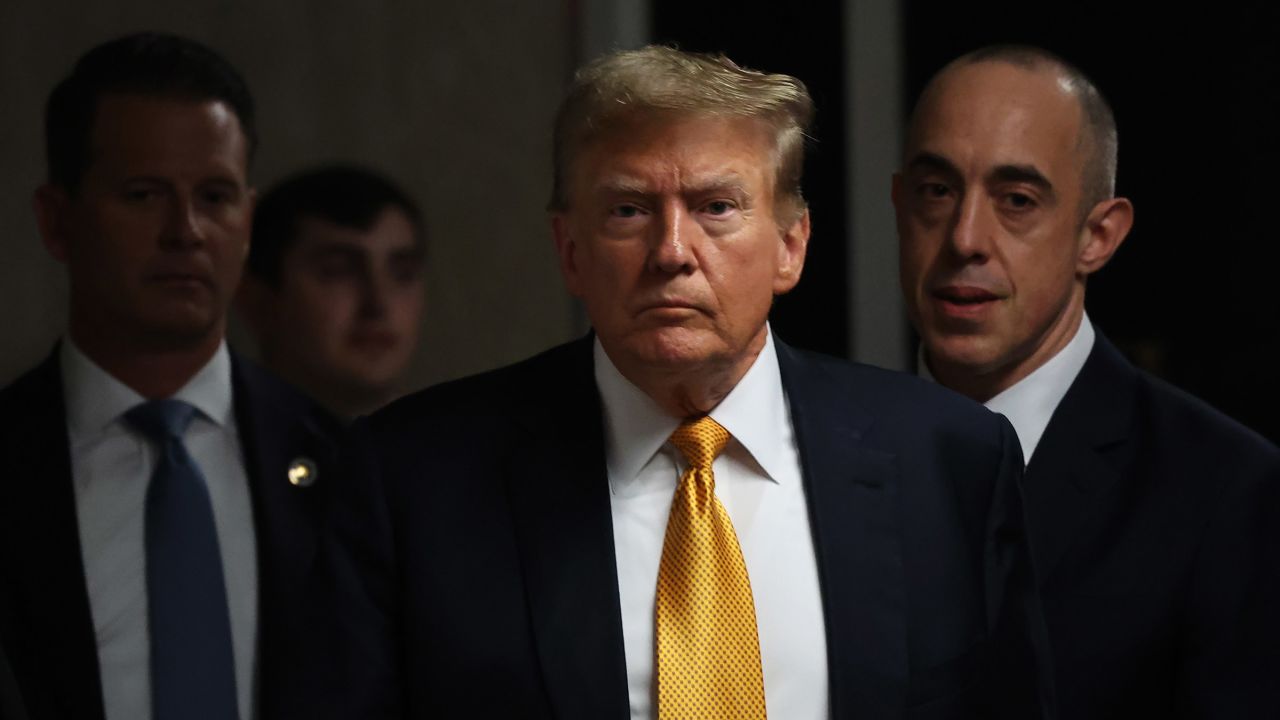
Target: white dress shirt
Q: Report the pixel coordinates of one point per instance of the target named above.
(111, 465)
(758, 481)
(1030, 402)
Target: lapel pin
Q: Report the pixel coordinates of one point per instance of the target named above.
(302, 472)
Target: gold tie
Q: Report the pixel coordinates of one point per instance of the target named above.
(707, 647)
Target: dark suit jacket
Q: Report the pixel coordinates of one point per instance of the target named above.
(44, 605)
(476, 545)
(1154, 522)
(11, 706)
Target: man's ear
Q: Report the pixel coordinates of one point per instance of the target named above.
(1106, 227)
(565, 253)
(52, 205)
(792, 248)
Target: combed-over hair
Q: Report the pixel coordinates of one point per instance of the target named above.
(660, 78)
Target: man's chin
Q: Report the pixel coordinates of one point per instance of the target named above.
(180, 330)
(673, 349)
(972, 354)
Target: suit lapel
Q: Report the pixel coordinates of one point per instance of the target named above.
(852, 492)
(53, 630)
(1075, 467)
(273, 434)
(277, 429)
(559, 492)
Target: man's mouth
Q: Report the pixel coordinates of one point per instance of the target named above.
(180, 279)
(964, 295)
(964, 301)
(373, 339)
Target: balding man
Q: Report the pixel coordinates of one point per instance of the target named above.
(1152, 518)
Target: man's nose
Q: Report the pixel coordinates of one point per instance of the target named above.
(374, 290)
(184, 225)
(671, 252)
(972, 228)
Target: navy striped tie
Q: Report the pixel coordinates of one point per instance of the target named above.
(192, 664)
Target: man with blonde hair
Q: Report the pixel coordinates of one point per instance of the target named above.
(679, 516)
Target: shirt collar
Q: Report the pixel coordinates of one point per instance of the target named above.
(754, 413)
(1030, 402)
(95, 399)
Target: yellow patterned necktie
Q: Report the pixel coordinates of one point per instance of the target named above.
(708, 651)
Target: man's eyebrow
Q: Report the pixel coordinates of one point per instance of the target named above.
(730, 184)
(622, 185)
(1028, 174)
(625, 185)
(925, 161)
(143, 179)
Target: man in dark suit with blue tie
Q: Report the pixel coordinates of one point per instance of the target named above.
(1154, 520)
(679, 515)
(157, 509)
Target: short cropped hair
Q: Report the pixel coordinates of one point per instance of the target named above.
(345, 195)
(1099, 139)
(660, 78)
(149, 64)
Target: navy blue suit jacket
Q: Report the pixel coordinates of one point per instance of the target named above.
(476, 564)
(1155, 523)
(45, 619)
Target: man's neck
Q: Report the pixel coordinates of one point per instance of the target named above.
(152, 371)
(692, 392)
(982, 384)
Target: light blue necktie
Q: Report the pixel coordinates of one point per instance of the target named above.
(192, 664)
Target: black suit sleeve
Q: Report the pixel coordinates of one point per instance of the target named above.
(10, 698)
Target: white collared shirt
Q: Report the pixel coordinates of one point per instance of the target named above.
(1029, 403)
(111, 466)
(759, 483)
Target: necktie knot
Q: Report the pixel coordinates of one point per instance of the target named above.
(700, 441)
(161, 420)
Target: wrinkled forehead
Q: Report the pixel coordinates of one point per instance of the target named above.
(677, 143)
